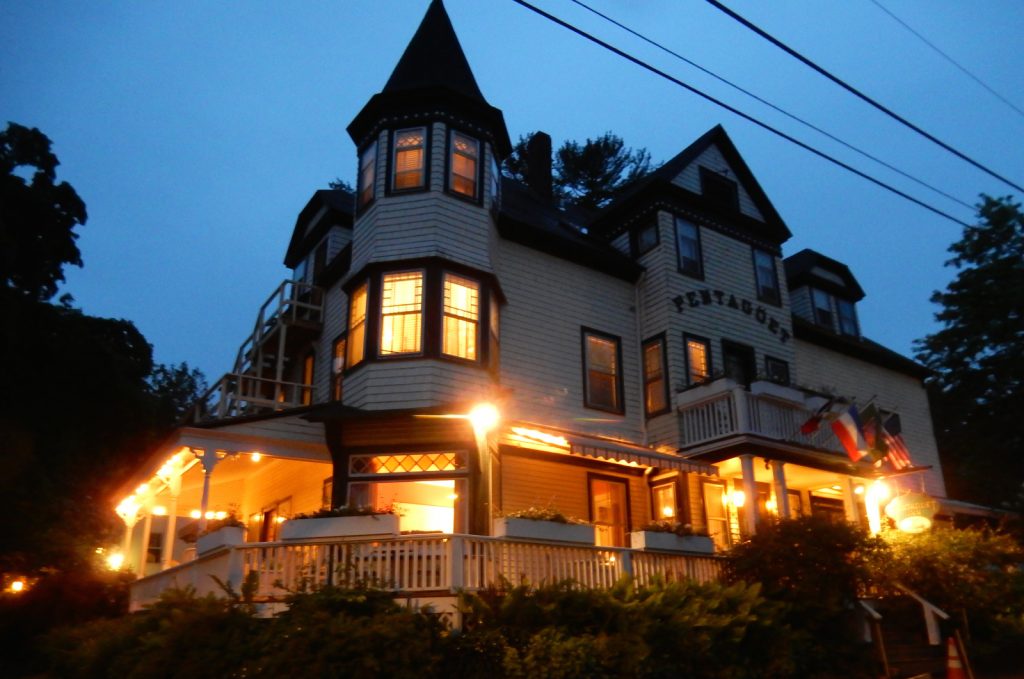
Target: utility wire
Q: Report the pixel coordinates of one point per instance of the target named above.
(859, 94)
(948, 58)
(741, 114)
(774, 107)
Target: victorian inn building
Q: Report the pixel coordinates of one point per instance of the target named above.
(454, 347)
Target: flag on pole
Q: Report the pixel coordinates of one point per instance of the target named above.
(874, 433)
(898, 455)
(812, 424)
(848, 430)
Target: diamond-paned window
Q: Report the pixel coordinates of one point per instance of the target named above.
(406, 463)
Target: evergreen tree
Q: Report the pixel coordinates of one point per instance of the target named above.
(978, 386)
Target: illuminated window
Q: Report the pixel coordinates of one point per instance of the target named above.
(401, 313)
(406, 463)
(337, 367)
(357, 325)
(847, 317)
(822, 308)
(655, 384)
(308, 364)
(603, 388)
(766, 277)
(465, 152)
(688, 249)
(367, 174)
(461, 316)
(698, 360)
(410, 156)
(664, 497)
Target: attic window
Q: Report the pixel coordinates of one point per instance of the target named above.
(847, 317)
(719, 190)
(410, 159)
(464, 164)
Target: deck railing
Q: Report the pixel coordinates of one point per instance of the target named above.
(735, 411)
(418, 564)
(235, 395)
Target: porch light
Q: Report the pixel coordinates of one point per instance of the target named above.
(220, 515)
(484, 417)
(159, 510)
(18, 586)
(738, 498)
(859, 489)
(115, 560)
(196, 514)
(771, 506)
(913, 513)
(256, 456)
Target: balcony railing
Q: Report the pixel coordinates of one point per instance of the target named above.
(236, 395)
(418, 564)
(726, 409)
(292, 303)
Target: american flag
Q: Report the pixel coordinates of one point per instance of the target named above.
(899, 456)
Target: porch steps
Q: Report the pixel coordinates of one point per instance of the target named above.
(906, 640)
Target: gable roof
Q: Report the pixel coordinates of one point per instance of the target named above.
(658, 186)
(338, 206)
(800, 272)
(432, 78)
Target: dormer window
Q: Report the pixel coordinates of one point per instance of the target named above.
(822, 303)
(367, 174)
(766, 276)
(719, 190)
(464, 164)
(847, 317)
(410, 159)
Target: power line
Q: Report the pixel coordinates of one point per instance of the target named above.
(774, 107)
(741, 114)
(948, 58)
(859, 94)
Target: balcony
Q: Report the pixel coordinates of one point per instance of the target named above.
(435, 565)
(287, 321)
(722, 409)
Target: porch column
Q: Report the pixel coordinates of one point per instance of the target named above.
(742, 406)
(750, 491)
(849, 500)
(128, 510)
(781, 492)
(147, 529)
(170, 474)
(209, 459)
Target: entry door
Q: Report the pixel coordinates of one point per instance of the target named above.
(609, 502)
(739, 362)
(716, 514)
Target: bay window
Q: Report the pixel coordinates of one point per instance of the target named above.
(401, 313)
(357, 325)
(461, 313)
(367, 174)
(465, 154)
(410, 159)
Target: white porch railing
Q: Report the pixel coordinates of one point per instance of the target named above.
(235, 395)
(738, 411)
(419, 564)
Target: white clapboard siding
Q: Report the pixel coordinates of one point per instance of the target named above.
(831, 372)
(800, 300)
(335, 322)
(415, 384)
(549, 301)
(713, 160)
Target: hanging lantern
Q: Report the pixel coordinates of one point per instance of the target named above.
(913, 513)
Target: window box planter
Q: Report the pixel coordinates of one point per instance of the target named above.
(670, 542)
(551, 531)
(227, 536)
(340, 526)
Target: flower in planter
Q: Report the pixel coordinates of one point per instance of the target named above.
(548, 513)
(680, 529)
(344, 510)
(231, 520)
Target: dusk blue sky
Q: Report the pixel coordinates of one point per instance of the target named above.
(196, 131)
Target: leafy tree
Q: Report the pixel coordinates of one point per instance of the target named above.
(978, 386)
(37, 217)
(177, 388)
(586, 175)
(341, 184)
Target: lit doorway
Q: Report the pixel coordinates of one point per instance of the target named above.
(609, 510)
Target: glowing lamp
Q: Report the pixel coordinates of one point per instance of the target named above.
(256, 456)
(858, 489)
(484, 417)
(115, 560)
(159, 510)
(196, 514)
(18, 586)
(739, 498)
(913, 513)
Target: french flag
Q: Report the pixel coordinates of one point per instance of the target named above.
(848, 430)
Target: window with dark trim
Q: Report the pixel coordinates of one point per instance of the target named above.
(847, 317)
(602, 372)
(719, 189)
(464, 165)
(493, 350)
(401, 313)
(367, 174)
(409, 167)
(766, 277)
(319, 259)
(308, 367)
(495, 183)
(357, 325)
(698, 359)
(776, 370)
(655, 377)
(337, 367)
(688, 249)
(663, 497)
(461, 317)
(821, 301)
(645, 238)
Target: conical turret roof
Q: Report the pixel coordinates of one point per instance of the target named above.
(432, 77)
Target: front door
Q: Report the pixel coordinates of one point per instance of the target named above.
(609, 510)
(716, 514)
